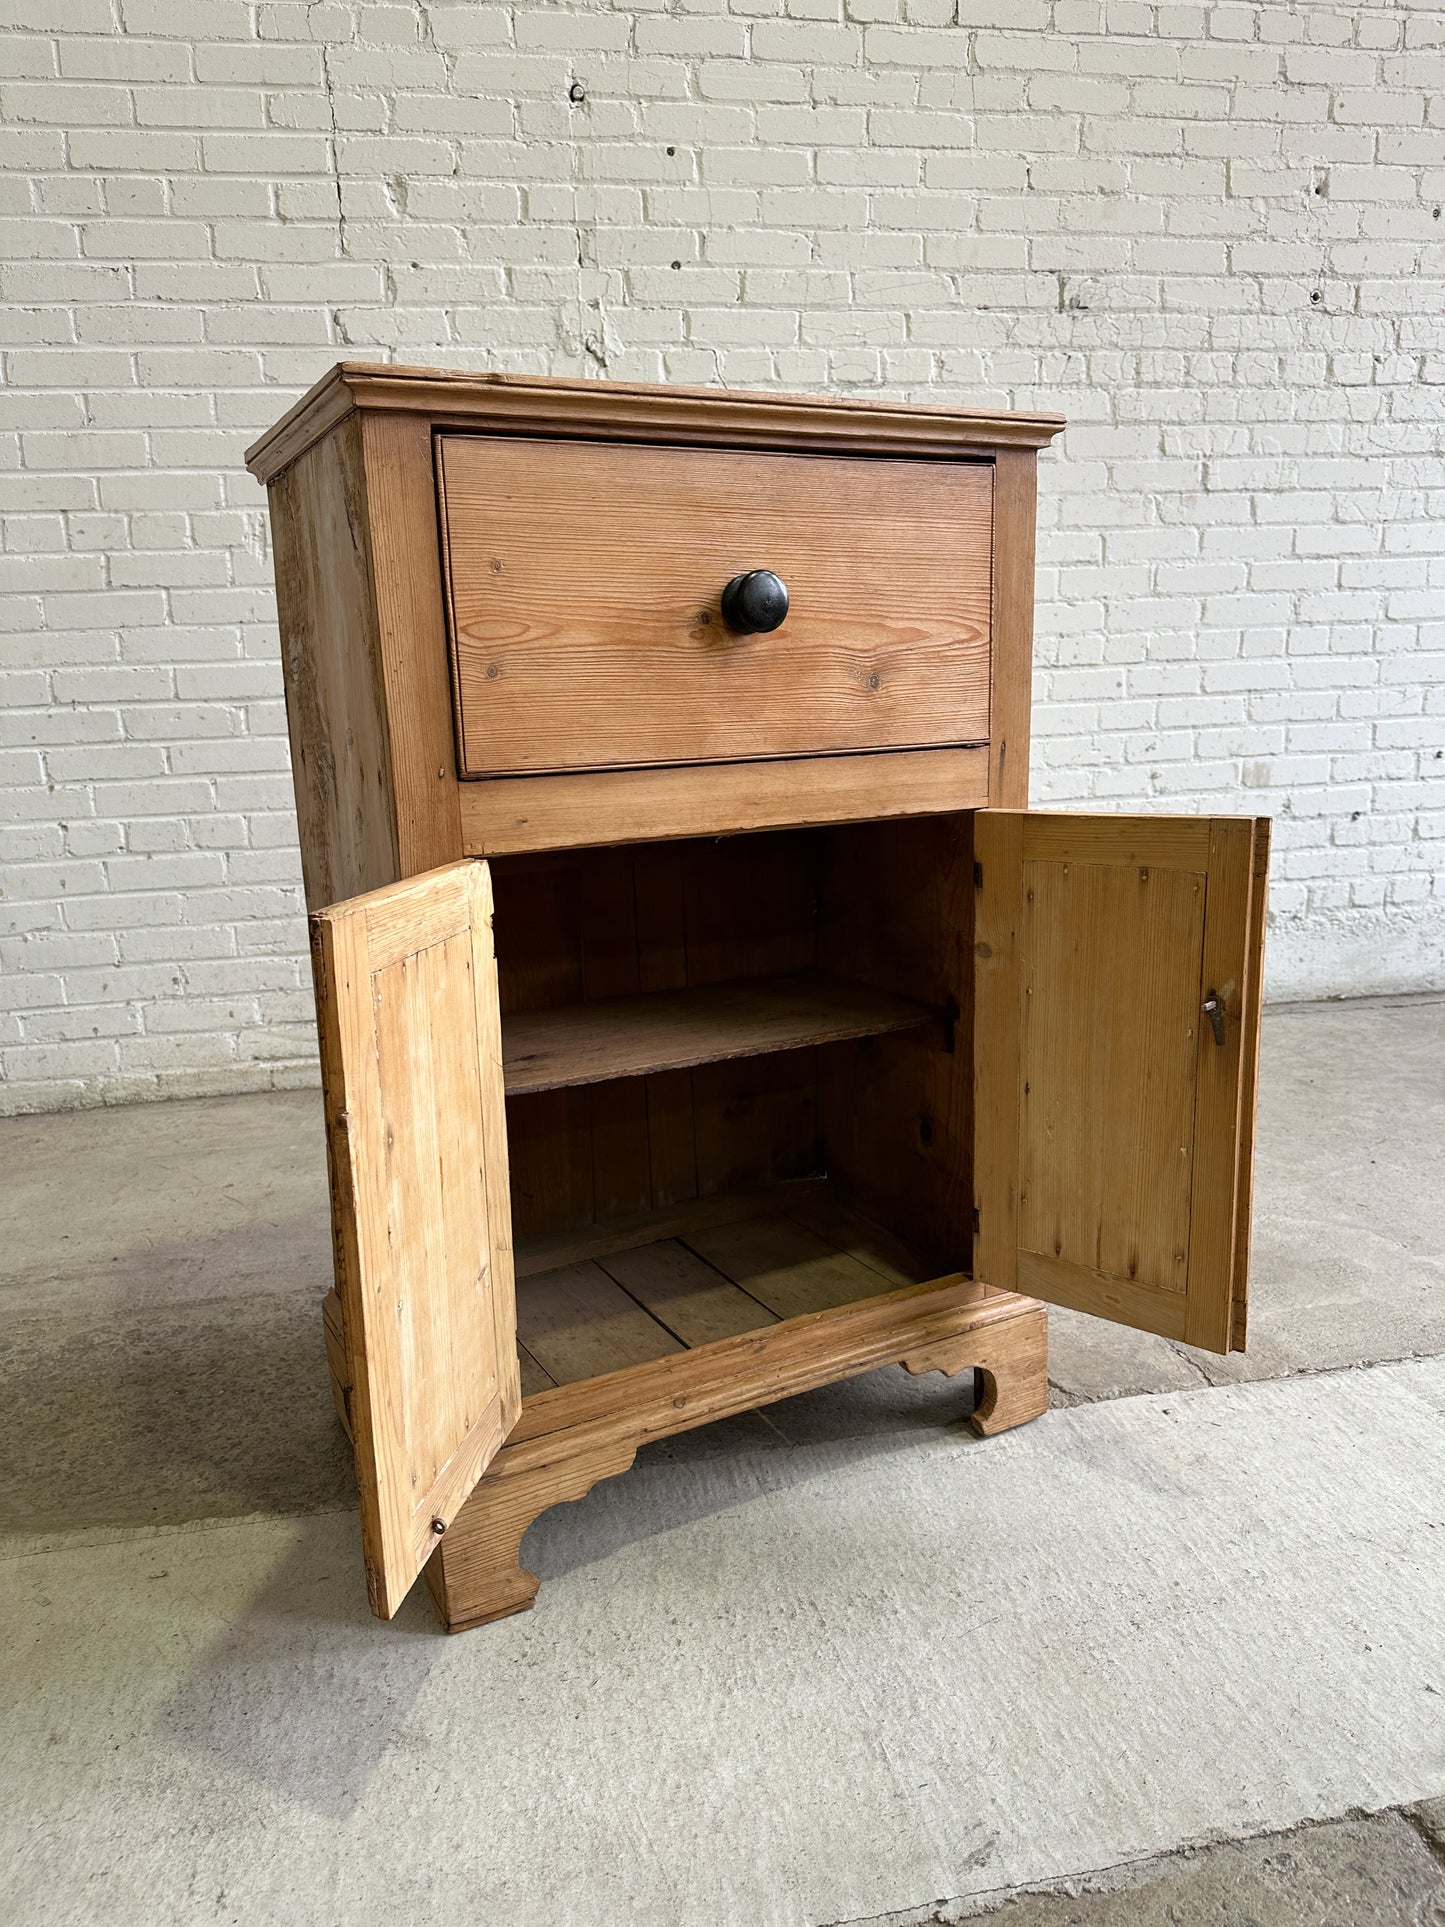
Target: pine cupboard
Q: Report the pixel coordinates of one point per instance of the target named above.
(704, 1016)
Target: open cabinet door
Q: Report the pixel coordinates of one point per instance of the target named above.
(1117, 974)
(411, 1062)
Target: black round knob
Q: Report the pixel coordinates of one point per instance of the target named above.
(754, 603)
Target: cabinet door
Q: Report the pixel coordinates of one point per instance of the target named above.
(411, 1062)
(1117, 985)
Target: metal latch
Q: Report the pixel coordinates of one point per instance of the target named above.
(1213, 1009)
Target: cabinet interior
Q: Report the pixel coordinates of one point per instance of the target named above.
(738, 1072)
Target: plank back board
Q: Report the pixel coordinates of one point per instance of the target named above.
(584, 583)
(412, 1070)
(655, 918)
(1114, 1132)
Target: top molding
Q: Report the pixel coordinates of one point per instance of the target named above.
(640, 411)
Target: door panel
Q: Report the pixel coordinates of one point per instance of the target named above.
(1114, 1132)
(406, 991)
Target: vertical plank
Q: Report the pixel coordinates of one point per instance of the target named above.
(539, 962)
(406, 570)
(1015, 513)
(549, 1140)
(751, 905)
(998, 854)
(621, 1159)
(592, 923)
(661, 913)
(1219, 1105)
(756, 1121)
(751, 908)
(896, 911)
(539, 931)
(331, 662)
(492, 1115)
(1107, 1052)
(1249, 1077)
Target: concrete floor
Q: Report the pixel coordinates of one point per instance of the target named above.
(1176, 1652)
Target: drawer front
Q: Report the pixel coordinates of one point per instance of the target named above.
(584, 584)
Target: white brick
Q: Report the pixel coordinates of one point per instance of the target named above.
(1105, 210)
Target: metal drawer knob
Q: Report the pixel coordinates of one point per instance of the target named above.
(754, 603)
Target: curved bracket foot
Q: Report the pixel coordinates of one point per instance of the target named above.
(1012, 1360)
(476, 1573)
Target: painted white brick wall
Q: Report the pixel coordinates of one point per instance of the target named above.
(1209, 233)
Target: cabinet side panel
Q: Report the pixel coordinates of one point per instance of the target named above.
(335, 708)
(896, 911)
(1015, 513)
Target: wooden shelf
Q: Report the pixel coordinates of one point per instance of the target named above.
(669, 1030)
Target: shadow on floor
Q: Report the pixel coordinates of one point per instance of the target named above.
(306, 1641)
(168, 1413)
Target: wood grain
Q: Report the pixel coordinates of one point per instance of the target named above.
(577, 1322)
(784, 1265)
(998, 840)
(817, 1206)
(650, 918)
(715, 1270)
(1161, 842)
(411, 1070)
(569, 1439)
(1107, 1060)
(627, 806)
(671, 1029)
(331, 660)
(476, 1574)
(534, 1379)
(1221, 1116)
(640, 411)
(333, 1325)
(546, 1252)
(896, 692)
(1112, 1129)
(686, 1295)
(406, 572)
(1015, 516)
(584, 588)
(1103, 1294)
(1251, 1004)
(895, 910)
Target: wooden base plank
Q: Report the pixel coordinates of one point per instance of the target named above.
(578, 1324)
(785, 1266)
(849, 1231)
(685, 1293)
(534, 1378)
(642, 1227)
(568, 1440)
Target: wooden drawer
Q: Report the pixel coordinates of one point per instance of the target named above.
(584, 583)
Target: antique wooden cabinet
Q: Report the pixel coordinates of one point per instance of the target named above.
(704, 1015)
